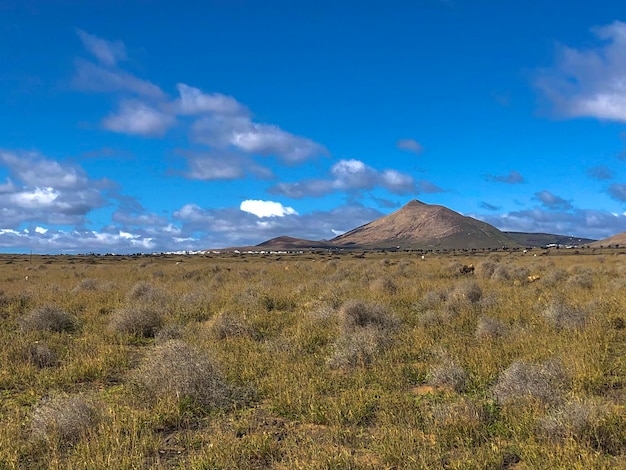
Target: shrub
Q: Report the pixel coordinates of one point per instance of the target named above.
(66, 418)
(582, 280)
(501, 273)
(565, 316)
(448, 375)
(468, 291)
(486, 269)
(145, 292)
(490, 328)
(142, 321)
(384, 286)
(41, 355)
(49, 318)
(169, 332)
(357, 348)
(358, 314)
(179, 371)
(571, 420)
(86, 285)
(230, 324)
(543, 382)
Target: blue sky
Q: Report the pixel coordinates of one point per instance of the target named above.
(140, 125)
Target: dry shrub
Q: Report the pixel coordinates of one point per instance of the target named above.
(357, 348)
(463, 414)
(169, 332)
(358, 314)
(486, 269)
(178, 371)
(366, 329)
(571, 420)
(490, 328)
(40, 355)
(554, 276)
(448, 375)
(501, 273)
(66, 418)
(565, 316)
(432, 299)
(49, 318)
(542, 382)
(384, 286)
(229, 324)
(582, 280)
(468, 291)
(86, 285)
(139, 320)
(145, 292)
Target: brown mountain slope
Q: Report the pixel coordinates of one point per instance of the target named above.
(419, 225)
(291, 243)
(619, 239)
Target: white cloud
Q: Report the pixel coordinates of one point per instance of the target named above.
(41, 230)
(410, 145)
(92, 77)
(266, 208)
(107, 52)
(240, 132)
(37, 198)
(47, 191)
(135, 117)
(590, 82)
(194, 101)
(354, 175)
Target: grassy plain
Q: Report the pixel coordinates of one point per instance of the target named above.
(313, 361)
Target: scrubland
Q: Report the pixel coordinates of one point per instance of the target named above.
(313, 361)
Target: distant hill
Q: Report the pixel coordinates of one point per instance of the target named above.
(425, 226)
(428, 226)
(291, 243)
(545, 239)
(619, 239)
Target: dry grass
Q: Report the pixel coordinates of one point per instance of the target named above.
(318, 360)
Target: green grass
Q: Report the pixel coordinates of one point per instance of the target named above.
(351, 361)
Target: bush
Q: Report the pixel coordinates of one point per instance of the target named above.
(49, 318)
(86, 285)
(169, 332)
(41, 355)
(145, 292)
(543, 382)
(571, 420)
(65, 418)
(448, 375)
(229, 324)
(359, 314)
(357, 348)
(565, 316)
(490, 328)
(384, 286)
(176, 370)
(468, 291)
(141, 321)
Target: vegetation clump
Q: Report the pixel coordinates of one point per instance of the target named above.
(176, 370)
(64, 418)
(543, 382)
(136, 320)
(49, 318)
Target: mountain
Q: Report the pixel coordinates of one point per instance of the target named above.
(544, 239)
(291, 243)
(619, 239)
(419, 225)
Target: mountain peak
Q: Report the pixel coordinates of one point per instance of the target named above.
(414, 204)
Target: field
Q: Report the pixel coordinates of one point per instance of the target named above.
(313, 361)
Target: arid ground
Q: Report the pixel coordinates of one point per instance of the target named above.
(317, 360)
